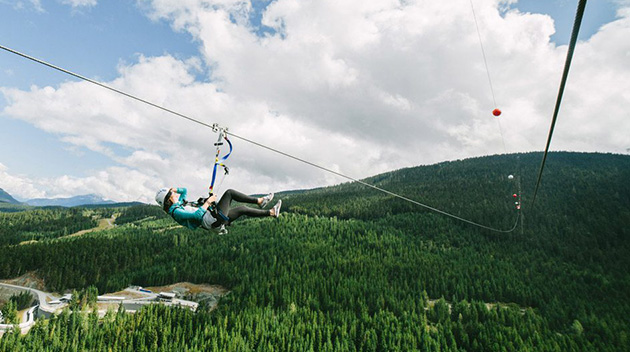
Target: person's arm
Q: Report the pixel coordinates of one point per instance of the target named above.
(181, 214)
(182, 192)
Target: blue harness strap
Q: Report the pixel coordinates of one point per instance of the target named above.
(219, 162)
(223, 216)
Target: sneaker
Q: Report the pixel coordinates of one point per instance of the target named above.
(220, 230)
(276, 209)
(266, 200)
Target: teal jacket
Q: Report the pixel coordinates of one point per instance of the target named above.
(189, 218)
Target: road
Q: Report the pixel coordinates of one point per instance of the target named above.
(42, 297)
(28, 318)
(103, 224)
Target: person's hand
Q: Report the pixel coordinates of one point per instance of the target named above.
(212, 199)
(174, 190)
(209, 202)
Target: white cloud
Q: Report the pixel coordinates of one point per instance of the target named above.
(79, 3)
(116, 183)
(18, 186)
(37, 5)
(358, 86)
(21, 5)
(358, 66)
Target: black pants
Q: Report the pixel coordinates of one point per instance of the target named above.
(224, 206)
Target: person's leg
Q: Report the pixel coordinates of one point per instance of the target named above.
(224, 203)
(237, 212)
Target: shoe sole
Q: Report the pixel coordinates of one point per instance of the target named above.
(266, 201)
(276, 208)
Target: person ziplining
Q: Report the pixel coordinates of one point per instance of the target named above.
(207, 213)
(210, 214)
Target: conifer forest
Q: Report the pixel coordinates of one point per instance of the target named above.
(346, 268)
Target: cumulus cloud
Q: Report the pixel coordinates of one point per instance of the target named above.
(412, 68)
(17, 185)
(360, 87)
(117, 183)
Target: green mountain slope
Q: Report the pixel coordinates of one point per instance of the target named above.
(350, 269)
(7, 198)
(479, 189)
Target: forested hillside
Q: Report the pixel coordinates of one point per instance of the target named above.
(346, 268)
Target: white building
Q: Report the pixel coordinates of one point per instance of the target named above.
(166, 296)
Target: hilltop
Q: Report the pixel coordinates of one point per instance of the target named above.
(83, 200)
(479, 189)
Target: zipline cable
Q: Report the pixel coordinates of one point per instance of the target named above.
(373, 186)
(101, 85)
(494, 100)
(262, 145)
(483, 53)
(567, 65)
(485, 61)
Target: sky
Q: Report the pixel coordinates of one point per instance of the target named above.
(358, 87)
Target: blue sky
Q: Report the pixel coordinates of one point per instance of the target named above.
(89, 41)
(96, 38)
(598, 13)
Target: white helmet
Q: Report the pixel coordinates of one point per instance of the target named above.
(160, 196)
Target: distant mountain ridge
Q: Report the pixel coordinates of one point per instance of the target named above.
(7, 198)
(88, 199)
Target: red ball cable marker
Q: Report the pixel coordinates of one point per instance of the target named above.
(496, 112)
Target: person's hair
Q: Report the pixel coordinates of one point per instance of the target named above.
(167, 205)
(167, 202)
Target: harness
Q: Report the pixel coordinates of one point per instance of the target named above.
(214, 211)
